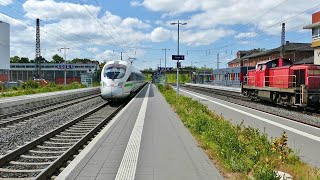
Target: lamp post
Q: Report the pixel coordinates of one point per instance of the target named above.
(178, 23)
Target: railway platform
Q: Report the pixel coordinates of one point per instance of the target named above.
(145, 140)
(19, 103)
(224, 88)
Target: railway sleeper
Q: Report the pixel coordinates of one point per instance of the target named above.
(46, 152)
(39, 157)
(29, 163)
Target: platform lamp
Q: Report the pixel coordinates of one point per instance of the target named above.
(178, 23)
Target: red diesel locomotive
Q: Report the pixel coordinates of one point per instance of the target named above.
(281, 82)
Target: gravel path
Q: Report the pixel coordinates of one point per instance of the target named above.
(22, 133)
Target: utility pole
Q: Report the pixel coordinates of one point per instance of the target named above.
(38, 51)
(121, 56)
(218, 61)
(65, 64)
(165, 65)
(283, 40)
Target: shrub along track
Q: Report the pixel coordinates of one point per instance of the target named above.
(44, 156)
(294, 114)
(9, 120)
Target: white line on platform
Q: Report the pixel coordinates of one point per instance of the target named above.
(128, 166)
(302, 133)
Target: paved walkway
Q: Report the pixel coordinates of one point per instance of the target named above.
(146, 140)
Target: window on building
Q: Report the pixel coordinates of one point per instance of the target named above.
(316, 33)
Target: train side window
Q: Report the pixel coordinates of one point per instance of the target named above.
(130, 78)
(264, 67)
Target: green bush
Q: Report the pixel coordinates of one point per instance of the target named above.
(30, 85)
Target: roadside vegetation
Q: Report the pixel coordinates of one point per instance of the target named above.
(240, 152)
(31, 87)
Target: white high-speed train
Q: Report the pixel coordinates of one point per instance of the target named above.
(119, 79)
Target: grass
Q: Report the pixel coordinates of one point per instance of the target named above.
(240, 152)
(30, 87)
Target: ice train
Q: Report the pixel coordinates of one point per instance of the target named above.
(119, 80)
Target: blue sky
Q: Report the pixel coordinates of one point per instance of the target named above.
(101, 29)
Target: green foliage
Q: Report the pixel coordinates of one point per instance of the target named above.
(265, 170)
(2, 87)
(183, 78)
(30, 85)
(280, 146)
(78, 60)
(57, 59)
(241, 149)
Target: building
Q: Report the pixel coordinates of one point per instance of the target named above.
(238, 61)
(4, 51)
(293, 51)
(315, 26)
(52, 72)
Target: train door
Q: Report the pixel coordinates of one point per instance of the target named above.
(300, 80)
(300, 75)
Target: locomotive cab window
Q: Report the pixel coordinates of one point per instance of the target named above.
(114, 72)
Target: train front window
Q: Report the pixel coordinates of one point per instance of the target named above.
(114, 72)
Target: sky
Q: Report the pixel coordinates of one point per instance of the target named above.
(141, 29)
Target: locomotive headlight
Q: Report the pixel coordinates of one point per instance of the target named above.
(120, 84)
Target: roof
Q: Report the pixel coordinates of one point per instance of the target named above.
(236, 60)
(309, 60)
(317, 24)
(288, 47)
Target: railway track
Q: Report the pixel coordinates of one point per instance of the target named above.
(8, 121)
(43, 157)
(231, 96)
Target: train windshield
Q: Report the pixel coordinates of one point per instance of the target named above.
(115, 71)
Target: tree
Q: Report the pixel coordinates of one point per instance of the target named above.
(77, 60)
(57, 59)
(15, 59)
(24, 60)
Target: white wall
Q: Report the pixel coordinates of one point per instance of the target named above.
(317, 56)
(4, 45)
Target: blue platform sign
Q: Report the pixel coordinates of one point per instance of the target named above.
(178, 57)
(165, 69)
(68, 66)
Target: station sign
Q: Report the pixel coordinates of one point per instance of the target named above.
(165, 69)
(178, 57)
(68, 66)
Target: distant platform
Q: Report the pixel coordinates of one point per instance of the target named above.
(225, 88)
(17, 103)
(146, 140)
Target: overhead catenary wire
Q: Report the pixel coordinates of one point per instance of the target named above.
(103, 28)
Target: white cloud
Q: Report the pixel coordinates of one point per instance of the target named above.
(135, 3)
(246, 35)
(210, 14)
(5, 2)
(52, 10)
(203, 37)
(160, 34)
(134, 23)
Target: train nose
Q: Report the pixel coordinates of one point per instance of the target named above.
(112, 92)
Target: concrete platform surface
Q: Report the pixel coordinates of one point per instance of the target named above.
(146, 140)
(225, 88)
